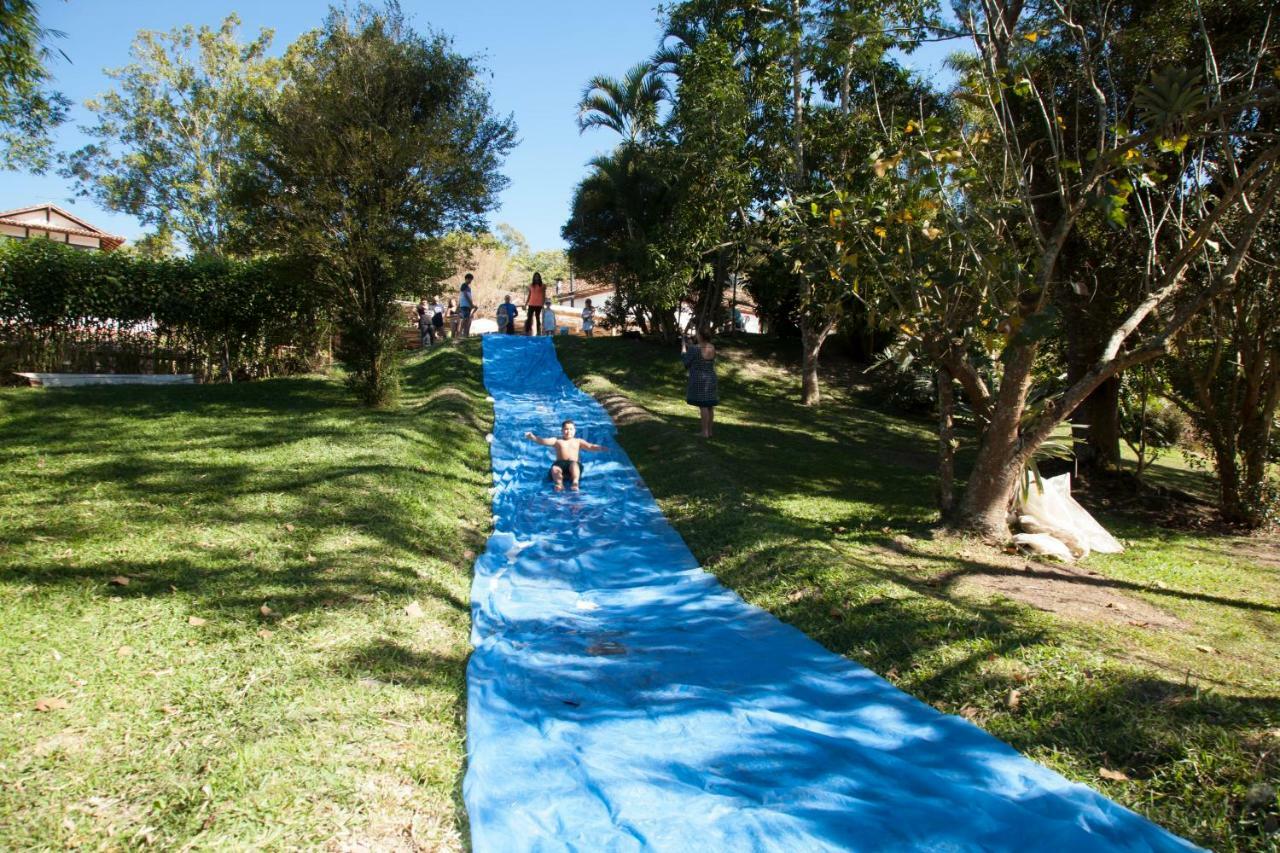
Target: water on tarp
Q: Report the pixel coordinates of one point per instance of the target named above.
(620, 698)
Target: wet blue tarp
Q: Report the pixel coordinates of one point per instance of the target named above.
(619, 698)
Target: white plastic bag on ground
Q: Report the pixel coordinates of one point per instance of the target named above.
(1043, 545)
(1055, 512)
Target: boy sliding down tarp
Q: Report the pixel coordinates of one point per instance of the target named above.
(567, 464)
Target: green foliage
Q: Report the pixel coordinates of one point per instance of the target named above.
(174, 132)
(628, 107)
(29, 109)
(380, 144)
(211, 316)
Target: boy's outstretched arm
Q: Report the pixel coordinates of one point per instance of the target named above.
(545, 442)
(586, 445)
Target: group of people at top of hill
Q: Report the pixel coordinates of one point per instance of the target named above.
(434, 318)
(540, 312)
(698, 354)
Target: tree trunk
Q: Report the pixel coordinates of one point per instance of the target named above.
(946, 444)
(984, 506)
(813, 333)
(1096, 427)
(1095, 424)
(1234, 506)
(667, 323)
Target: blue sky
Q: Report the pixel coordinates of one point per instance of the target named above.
(540, 55)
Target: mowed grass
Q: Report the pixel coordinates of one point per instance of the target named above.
(245, 609)
(1159, 686)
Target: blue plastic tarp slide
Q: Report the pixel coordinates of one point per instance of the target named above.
(619, 698)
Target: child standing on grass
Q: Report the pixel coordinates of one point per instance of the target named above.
(567, 465)
(700, 360)
(588, 319)
(549, 317)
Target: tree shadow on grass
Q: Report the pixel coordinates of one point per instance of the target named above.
(226, 497)
(946, 647)
(387, 662)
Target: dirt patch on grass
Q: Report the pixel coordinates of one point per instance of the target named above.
(623, 410)
(1260, 550)
(1071, 591)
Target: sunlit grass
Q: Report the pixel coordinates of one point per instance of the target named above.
(822, 517)
(248, 605)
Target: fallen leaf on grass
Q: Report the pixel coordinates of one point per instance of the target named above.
(970, 713)
(1014, 699)
(468, 554)
(265, 634)
(195, 621)
(51, 703)
(264, 610)
(1208, 650)
(892, 674)
(124, 651)
(413, 610)
(289, 527)
(1113, 775)
(57, 655)
(119, 580)
(311, 558)
(170, 710)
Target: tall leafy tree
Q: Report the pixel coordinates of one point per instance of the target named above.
(382, 142)
(1225, 374)
(29, 107)
(1194, 160)
(174, 131)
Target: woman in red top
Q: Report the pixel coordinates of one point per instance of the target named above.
(537, 298)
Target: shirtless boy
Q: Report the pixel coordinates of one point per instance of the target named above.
(567, 448)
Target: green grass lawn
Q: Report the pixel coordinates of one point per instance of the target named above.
(181, 713)
(1153, 676)
(244, 609)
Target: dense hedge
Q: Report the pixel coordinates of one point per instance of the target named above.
(64, 309)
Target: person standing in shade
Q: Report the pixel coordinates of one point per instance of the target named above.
(436, 310)
(537, 298)
(424, 324)
(700, 360)
(466, 304)
(588, 319)
(507, 314)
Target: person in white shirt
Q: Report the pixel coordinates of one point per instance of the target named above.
(588, 319)
(436, 312)
(466, 305)
(549, 317)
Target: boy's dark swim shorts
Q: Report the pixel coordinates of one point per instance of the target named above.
(566, 468)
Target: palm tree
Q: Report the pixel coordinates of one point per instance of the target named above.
(628, 107)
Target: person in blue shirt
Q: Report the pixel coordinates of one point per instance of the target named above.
(507, 313)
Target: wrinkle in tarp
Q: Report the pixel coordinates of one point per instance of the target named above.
(620, 698)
